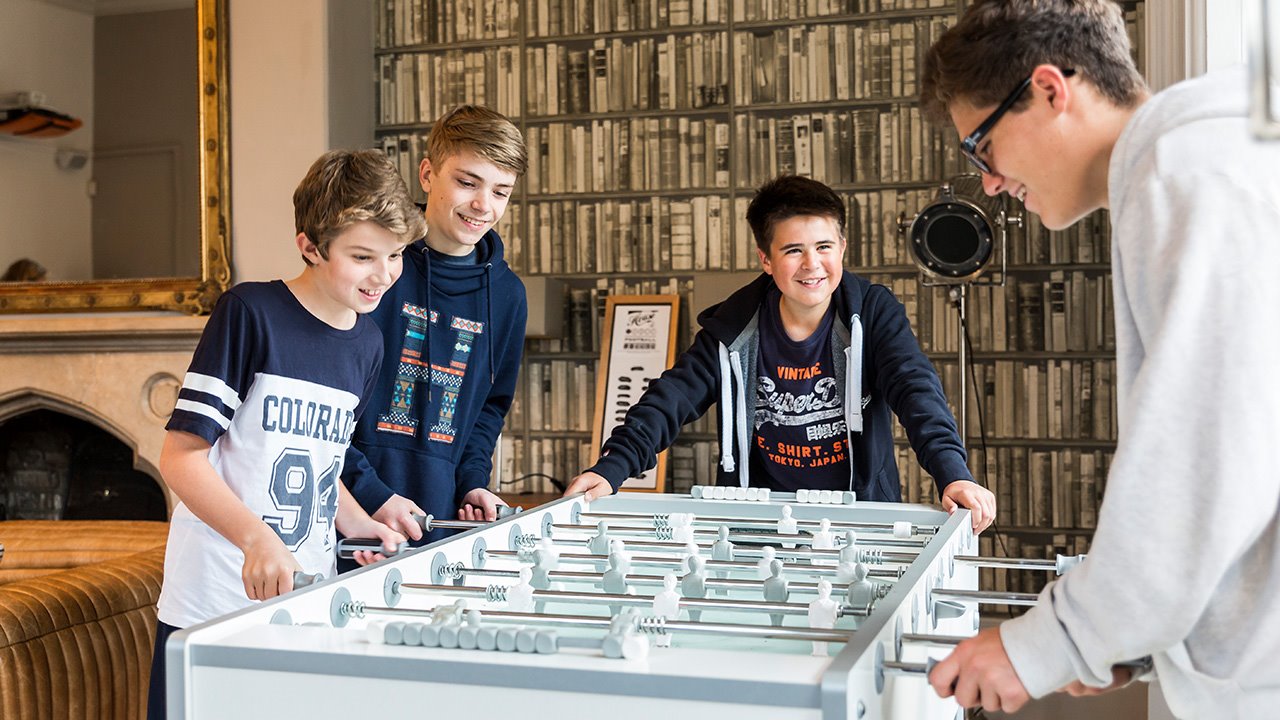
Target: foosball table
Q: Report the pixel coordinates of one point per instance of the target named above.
(726, 602)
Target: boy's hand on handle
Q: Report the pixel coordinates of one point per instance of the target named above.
(978, 673)
(397, 513)
(391, 541)
(268, 566)
(591, 484)
(980, 501)
(480, 505)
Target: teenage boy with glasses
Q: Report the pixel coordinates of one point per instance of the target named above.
(1185, 562)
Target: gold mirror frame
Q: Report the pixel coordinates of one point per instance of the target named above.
(190, 295)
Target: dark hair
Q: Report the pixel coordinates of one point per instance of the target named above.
(788, 196)
(997, 43)
(344, 187)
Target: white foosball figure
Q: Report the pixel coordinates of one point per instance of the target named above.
(823, 538)
(846, 572)
(776, 589)
(616, 547)
(691, 550)
(666, 604)
(822, 614)
(520, 595)
(787, 525)
(694, 583)
(766, 559)
(551, 556)
(681, 527)
(599, 543)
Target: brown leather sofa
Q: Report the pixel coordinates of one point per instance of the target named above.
(77, 617)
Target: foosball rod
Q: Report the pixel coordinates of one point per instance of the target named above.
(868, 557)
(454, 572)
(661, 519)
(1059, 565)
(646, 625)
(498, 594)
(906, 556)
(664, 534)
(985, 597)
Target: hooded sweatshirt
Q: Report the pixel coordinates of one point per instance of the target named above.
(876, 360)
(453, 339)
(1185, 563)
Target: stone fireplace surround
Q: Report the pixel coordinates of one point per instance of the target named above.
(120, 372)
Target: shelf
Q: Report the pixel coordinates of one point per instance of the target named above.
(445, 47)
(574, 355)
(1023, 530)
(855, 18)
(566, 434)
(981, 355)
(833, 104)
(626, 34)
(1049, 267)
(1044, 443)
(626, 114)
(627, 194)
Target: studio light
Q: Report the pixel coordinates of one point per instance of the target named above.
(955, 236)
(953, 239)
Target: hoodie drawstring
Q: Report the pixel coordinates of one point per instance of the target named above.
(488, 316)
(726, 405)
(741, 416)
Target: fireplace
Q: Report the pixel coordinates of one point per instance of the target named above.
(83, 404)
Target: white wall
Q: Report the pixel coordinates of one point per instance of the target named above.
(47, 48)
(279, 126)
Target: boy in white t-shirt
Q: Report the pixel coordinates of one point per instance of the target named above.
(281, 374)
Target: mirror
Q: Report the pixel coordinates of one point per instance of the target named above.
(129, 212)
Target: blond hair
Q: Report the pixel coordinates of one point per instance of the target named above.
(482, 131)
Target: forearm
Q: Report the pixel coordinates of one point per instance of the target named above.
(351, 520)
(185, 467)
(362, 480)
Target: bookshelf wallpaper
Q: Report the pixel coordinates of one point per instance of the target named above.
(648, 124)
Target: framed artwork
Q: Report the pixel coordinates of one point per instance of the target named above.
(639, 344)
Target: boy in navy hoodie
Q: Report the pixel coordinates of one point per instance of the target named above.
(806, 363)
(453, 329)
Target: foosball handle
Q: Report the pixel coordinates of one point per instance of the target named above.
(347, 547)
(301, 579)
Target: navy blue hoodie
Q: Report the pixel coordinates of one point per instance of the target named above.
(876, 359)
(429, 428)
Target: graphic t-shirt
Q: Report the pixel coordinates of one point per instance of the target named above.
(276, 392)
(800, 439)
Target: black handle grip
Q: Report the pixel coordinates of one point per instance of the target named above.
(347, 547)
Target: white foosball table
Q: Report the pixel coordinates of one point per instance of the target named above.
(541, 614)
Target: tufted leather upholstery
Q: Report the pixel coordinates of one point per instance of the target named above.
(76, 643)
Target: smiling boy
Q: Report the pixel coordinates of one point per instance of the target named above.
(453, 332)
(266, 411)
(806, 363)
(1052, 109)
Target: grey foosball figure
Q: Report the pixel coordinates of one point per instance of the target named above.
(540, 578)
(776, 590)
(849, 552)
(862, 592)
(694, 584)
(766, 559)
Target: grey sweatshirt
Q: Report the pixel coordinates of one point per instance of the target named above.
(1185, 564)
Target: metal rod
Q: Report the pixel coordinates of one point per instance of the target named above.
(648, 625)
(987, 597)
(934, 639)
(712, 582)
(999, 562)
(906, 667)
(762, 522)
(905, 556)
(618, 599)
(798, 538)
(674, 561)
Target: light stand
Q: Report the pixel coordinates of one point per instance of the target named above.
(952, 240)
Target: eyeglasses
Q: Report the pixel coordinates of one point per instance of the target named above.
(969, 145)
